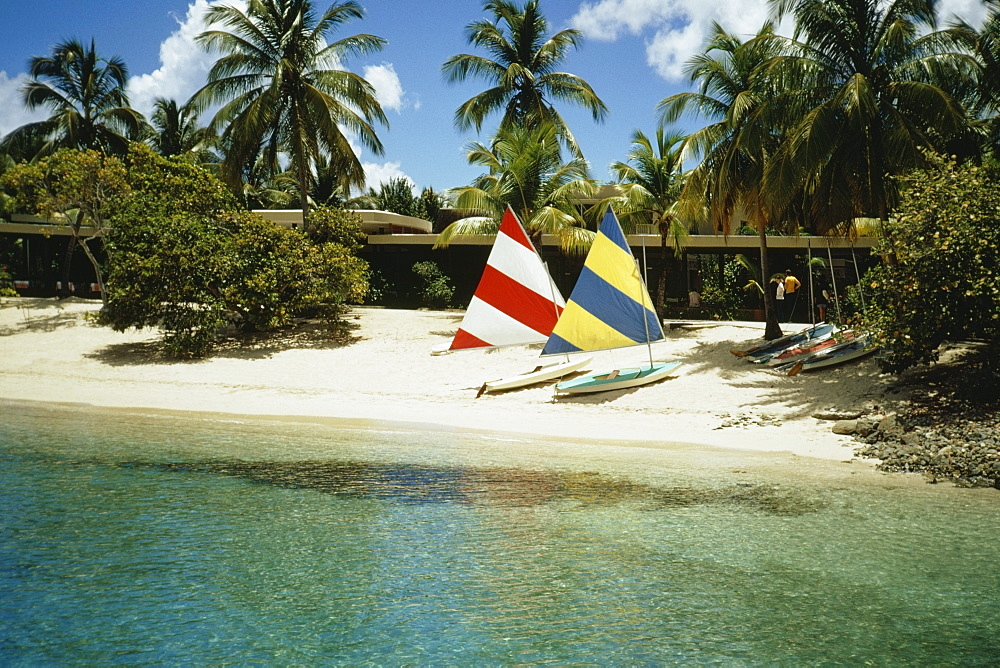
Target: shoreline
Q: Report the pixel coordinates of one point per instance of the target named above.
(296, 439)
(53, 354)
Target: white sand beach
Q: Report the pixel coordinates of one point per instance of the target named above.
(51, 352)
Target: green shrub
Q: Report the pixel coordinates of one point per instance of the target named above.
(721, 304)
(940, 278)
(332, 225)
(190, 262)
(437, 291)
(6, 284)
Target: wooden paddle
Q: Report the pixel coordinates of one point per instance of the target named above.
(796, 368)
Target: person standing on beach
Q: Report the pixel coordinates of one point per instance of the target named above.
(779, 297)
(792, 286)
(822, 299)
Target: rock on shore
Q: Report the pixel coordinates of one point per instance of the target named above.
(946, 425)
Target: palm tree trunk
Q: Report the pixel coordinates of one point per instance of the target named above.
(772, 330)
(67, 267)
(304, 197)
(661, 284)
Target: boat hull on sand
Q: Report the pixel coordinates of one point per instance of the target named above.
(782, 343)
(540, 374)
(839, 354)
(619, 379)
(804, 350)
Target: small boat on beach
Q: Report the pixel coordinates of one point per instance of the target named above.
(609, 308)
(515, 303)
(796, 352)
(839, 354)
(540, 374)
(619, 379)
(776, 346)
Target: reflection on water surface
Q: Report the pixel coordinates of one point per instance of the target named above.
(145, 539)
(492, 487)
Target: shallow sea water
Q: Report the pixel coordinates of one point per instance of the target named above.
(137, 538)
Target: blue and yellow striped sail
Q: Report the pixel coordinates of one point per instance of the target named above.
(609, 306)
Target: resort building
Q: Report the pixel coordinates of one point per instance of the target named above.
(34, 248)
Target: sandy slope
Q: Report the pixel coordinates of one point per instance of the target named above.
(50, 352)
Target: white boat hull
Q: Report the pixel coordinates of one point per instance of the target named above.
(839, 354)
(820, 344)
(779, 345)
(619, 379)
(842, 357)
(539, 375)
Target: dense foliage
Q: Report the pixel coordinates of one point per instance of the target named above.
(436, 290)
(526, 172)
(396, 196)
(941, 277)
(69, 179)
(78, 189)
(339, 226)
(181, 256)
(6, 283)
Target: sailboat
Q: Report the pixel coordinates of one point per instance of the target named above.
(515, 303)
(609, 308)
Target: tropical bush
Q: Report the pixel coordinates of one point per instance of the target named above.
(722, 294)
(940, 279)
(6, 284)
(329, 224)
(437, 291)
(183, 257)
(78, 189)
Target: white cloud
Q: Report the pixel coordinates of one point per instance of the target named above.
(678, 28)
(674, 30)
(13, 113)
(971, 11)
(378, 173)
(183, 64)
(388, 89)
(607, 20)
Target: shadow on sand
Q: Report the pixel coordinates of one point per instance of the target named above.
(246, 346)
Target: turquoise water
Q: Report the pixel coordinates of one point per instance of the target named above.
(151, 539)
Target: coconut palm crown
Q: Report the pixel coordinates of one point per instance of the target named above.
(521, 68)
(735, 146)
(525, 171)
(867, 87)
(87, 97)
(175, 130)
(283, 91)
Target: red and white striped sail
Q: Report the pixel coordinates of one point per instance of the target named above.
(516, 301)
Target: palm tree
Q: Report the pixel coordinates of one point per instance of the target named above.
(868, 87)
(175, 130)
(650, 183)
(735, 146)
(983, 101)
(526, 172)
(87, 98)
(282, 90)
(521, 70)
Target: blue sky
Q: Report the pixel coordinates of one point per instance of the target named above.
(632, 56)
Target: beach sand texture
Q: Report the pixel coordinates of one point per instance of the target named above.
(51, 352)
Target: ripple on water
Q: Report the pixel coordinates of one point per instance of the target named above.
(139, 539)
